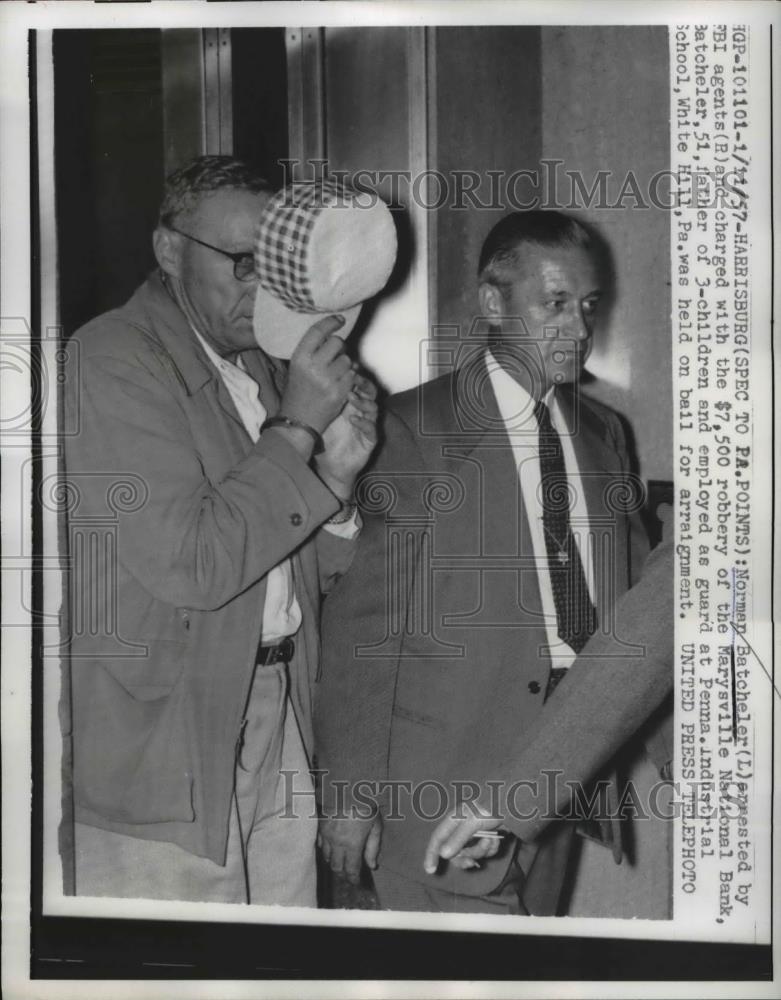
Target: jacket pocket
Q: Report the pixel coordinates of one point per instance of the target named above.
(150, 677)
(421, 718)
(130, 744)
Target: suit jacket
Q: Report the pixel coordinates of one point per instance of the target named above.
(435, 651)
(175, 520)
(606, 698)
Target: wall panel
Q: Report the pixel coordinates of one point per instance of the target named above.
(376, 120)
(487, 87)
(605, 106)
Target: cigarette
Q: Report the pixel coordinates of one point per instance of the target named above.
(489, 834)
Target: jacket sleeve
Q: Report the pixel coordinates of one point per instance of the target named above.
(189, 541)
(334, 557)
(355, 694)
(603, 700)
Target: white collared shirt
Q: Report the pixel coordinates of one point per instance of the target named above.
(516, 407)
(281, 610)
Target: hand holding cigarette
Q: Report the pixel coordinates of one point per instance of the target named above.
(463, 840)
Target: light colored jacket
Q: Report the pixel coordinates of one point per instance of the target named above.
(176, 518)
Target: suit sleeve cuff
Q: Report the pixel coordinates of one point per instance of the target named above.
(320, 501)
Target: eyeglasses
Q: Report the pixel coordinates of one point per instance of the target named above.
(243, 263)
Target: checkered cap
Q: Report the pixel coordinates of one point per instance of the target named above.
(283, 239)
(320, 247)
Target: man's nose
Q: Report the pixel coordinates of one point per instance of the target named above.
(579, 326)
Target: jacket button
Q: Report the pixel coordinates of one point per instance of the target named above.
(296, 519)
(534, 687)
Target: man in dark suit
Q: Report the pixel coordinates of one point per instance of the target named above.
(499, 530)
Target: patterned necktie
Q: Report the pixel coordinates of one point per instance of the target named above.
(576, 617)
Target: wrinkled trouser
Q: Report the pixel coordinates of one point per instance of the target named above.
(270, 859)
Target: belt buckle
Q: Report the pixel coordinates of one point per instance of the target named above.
(282, 652)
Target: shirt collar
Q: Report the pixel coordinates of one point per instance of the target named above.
(516, 405)
(221, 364)
(242, 387)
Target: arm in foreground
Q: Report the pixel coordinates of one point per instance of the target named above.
(608, 693)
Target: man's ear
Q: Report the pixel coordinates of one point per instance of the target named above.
(167, 247)
(491, 301)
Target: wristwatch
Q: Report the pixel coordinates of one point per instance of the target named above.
(345, 513)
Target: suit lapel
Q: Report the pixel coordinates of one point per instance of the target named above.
(505, 530)
(600, 473)
(596, 461)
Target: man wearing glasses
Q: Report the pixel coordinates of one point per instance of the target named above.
(187, 706)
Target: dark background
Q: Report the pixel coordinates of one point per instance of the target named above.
(109, 151)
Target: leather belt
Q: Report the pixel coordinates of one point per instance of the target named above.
(282, 652)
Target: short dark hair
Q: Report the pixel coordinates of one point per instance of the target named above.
(201, 176)
(499, 261)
